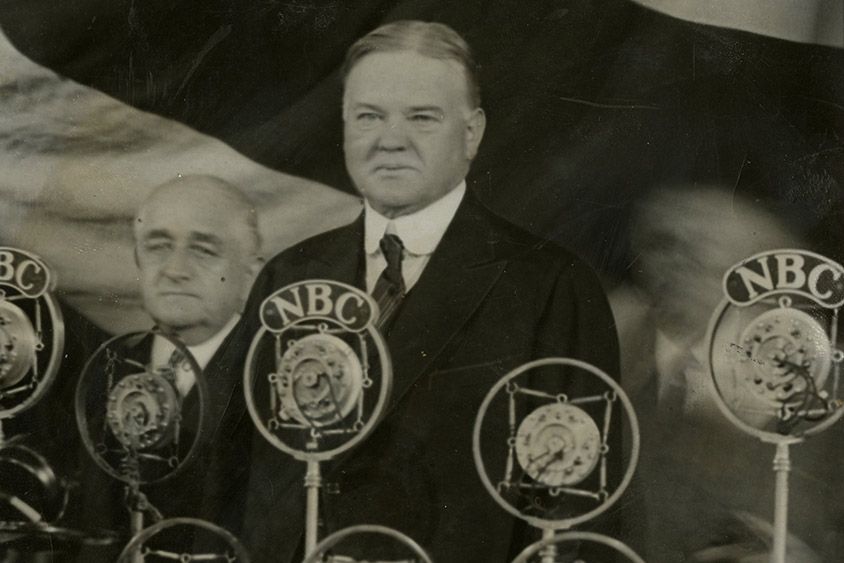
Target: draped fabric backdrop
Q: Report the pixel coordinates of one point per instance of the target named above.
(590, 104)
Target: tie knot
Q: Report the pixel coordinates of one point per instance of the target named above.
(176, 359)
(389, 288)
(392, 247)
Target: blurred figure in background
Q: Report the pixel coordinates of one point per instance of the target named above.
(707, 488)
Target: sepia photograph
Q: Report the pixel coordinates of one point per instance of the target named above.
(394, 281)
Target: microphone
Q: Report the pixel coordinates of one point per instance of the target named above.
(317, 381)
(31, 331)
(33, 497)
(318, 373)
(142, 423)
(773, 356)
(772, 345)
(133, 419)
(545, 447)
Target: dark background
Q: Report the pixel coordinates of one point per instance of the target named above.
(590, 103)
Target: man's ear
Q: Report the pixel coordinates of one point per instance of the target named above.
(475, 126)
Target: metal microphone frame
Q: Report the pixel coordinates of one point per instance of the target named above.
(313, 481)
(549, 541)
(317, 553)
(608, 499)
(137, 504)
(135, 551)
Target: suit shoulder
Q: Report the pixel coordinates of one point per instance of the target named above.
(520, 244)
(304, 251)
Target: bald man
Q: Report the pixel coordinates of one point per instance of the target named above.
(197, 251)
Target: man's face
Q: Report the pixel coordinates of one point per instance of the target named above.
(409, 130)
(196, 261)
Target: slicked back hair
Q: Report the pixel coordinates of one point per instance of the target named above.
(431, 39)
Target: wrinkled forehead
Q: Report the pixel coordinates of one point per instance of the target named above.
(186, 216)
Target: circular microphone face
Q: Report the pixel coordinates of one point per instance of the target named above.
(549, 444)
(558, 444)
(320, 381)
(786, 352)
(17, 345)
(318, 374)
(143, 411)
(140, 406)
(31, 331)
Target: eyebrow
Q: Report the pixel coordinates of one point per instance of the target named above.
(435, 109)
(364, 105)
(204, 237)
(411, 109)
(194, 236)
(157, 233)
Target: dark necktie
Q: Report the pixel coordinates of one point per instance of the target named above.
(182, 368)
(389, 289)
(176, 363)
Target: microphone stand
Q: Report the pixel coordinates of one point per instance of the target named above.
(782, 468)
(548, 554)
(138, 505)
(313, 483)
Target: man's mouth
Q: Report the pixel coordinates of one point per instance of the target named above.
(177, 294)
(392, 167)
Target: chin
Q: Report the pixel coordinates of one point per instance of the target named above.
(386, 200)
(173, 316)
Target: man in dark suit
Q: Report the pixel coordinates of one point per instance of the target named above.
(471, 298)
(197, 251)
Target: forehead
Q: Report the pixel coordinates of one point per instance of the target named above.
(408, 78)
(188, 213)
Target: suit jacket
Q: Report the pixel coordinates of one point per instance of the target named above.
(491, 298)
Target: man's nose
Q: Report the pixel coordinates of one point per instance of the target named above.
(178, 265)
(393, 136)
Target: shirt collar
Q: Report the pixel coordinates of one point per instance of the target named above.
(162, 348)
(420, 232)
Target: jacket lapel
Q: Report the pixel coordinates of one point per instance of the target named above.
(458, 277)
(341, 257)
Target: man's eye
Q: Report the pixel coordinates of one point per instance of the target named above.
(368, 117)
(424, 118)
(157, 246)
(204, 251)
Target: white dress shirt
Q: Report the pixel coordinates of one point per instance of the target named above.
(420, 232)
(162, 350)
